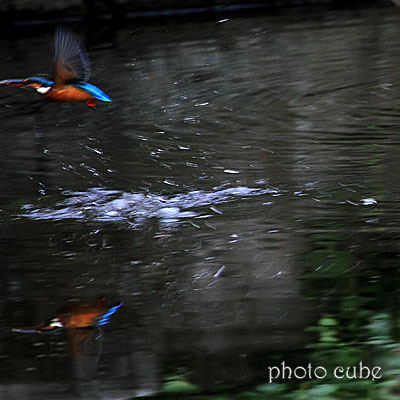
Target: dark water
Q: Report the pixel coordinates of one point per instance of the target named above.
(243, 184)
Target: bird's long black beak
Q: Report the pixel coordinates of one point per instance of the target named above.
(13, 82)
(26, 329)
(38, 329)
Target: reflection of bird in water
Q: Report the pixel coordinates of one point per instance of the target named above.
(71, 71)
(83, 324)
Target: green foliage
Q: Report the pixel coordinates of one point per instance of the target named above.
(348, 334)
(332, 348)
(178, 385)
(271, 388)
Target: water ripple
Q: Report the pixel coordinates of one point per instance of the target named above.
(99, 204)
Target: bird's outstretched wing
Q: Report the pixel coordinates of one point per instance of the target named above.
(85, 347)
(105, 318)
(71, 61)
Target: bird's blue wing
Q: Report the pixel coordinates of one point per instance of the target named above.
(105, 318)
(93, 90)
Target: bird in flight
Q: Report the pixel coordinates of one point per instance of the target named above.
(71, 71)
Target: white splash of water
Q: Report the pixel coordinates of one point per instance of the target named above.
(98, 204)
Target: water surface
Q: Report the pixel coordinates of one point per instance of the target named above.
(242, 184)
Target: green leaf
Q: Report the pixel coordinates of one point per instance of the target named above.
(271, 388)
(321, 391)
(179, 386)
(328, 322)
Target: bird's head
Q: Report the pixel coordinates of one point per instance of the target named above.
(36, 84)
(54, 324)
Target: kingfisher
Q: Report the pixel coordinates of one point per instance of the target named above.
(80, 320)
(71, 71)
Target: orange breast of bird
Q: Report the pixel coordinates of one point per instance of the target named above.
(68, 93)
(83, 318)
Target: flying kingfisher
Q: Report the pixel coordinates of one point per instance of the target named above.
(83, 323)
(71, 70)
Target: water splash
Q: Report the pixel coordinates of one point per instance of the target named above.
(98, 204)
